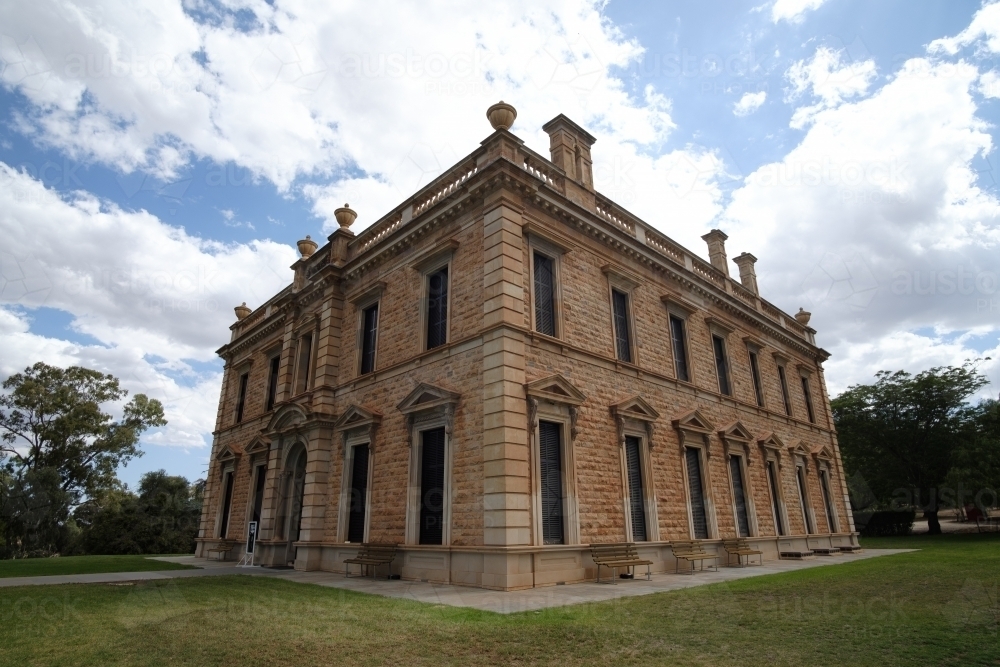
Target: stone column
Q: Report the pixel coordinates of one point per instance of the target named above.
(506, 487)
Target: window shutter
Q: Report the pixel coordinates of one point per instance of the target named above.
(432, 487)
(827, 499)
(227, 505)
(437, 308)
(637, 504)
(242, 399)
(550, 455)
(697, 496)
(545, 280)
(623, 343)
(679, 341)
(272, 386)
(721, 366)
(784, 390)
(758, 389)
(369, 335)
(800, 476)
(359, 495)
(258, 494)
(775, 506)
(742, 521)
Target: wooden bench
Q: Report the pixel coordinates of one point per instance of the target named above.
(691, 552)
(372, 554)
(740, 548)
(222, 549)
(614, 555)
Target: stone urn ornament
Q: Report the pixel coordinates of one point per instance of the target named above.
(242, 311)
(307, 247)
(345, 216)
(802, 317)
(501, 115)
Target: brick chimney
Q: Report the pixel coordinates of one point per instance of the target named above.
(748, 276)
(570, 145)
(716, 241)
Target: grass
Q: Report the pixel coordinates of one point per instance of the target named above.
(937, 606)
(44, 567)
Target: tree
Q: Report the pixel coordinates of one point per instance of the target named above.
(902, 432)
(975, 466)
(57, 446)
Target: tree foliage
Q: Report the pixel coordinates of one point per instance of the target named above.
(58, 446)
(904, 433)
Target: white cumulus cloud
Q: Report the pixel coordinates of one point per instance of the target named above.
(749, 103)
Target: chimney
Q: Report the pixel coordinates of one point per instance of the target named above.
(569, 145)
(748, 276)
(716, 241)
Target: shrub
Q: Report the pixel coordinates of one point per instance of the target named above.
(885, 523)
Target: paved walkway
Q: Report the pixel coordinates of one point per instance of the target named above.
(463, 596)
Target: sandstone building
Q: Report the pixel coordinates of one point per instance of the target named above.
(508, 367)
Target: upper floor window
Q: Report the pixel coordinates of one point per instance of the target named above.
(758, 387)
(437, 308)
(242, 397)
(272, 382)
(783, 381)
(369, 337)
(623, 334)
(545, 294)
(305, 363)
(721, 364)
(807, 395)
(678, 338)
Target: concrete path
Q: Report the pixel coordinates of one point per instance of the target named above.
(463, 596)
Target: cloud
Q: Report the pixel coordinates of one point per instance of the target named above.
(749, 103)
(877, 221)
(133, 283)
(985, 23)
(793, 11)
(828, 79)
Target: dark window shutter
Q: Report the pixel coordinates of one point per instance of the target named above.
(697, 495)
(758, 388)
(742, 521)
(359, 495)
(432, 486)
(827, 499)
(550, 454)
(369, 334)
(227, 505)
(437, 308)
(242, 398)
(272, 383)
(679, 341)
(545, 307)
(783, 381)
(258, 493)
(775, 505)
(806, 394)
(800, 476)
(637, 504)
(623, 343)
(721, 365)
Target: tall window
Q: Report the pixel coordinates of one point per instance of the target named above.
(699, 518)
(623, 340)
(678, 338)
(772, 479)
(637, 501)
(369, 337)
(545, 295)
(242, 398)
(359, 494)
(437, 308)
(432, 486)
(551, 477)
(809, 401)
(783, 381)
(258, 492)
(824, 482)
(305, 362)
(721, 364)
(227, 504)
(800, 476)
(758, 387)
(272, 382)
(740, 496)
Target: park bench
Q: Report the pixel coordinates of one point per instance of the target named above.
(372, 554)
(740, 548)
(222, 549)
(614, 555)
(691, 552)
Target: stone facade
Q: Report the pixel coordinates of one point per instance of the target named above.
(624, 421)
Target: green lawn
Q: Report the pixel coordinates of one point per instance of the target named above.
(42, 567)
(937, 606)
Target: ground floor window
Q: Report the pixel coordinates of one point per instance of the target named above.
(432, 486)
(831, 513)
(227, 504)
(699, 519)
(551, 477)
(772, 478)
(359, 494)
(637, 501)
(800, 476)
(740, 496)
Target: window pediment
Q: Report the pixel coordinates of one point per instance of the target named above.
(635, 408)
(357, 417)
(692, 420)
(366, 294)
(227, 455)
(286, 417)
(257, 446)
(798, 450)
(679, 304)
(426, 396)
(621, 278)
(719, 326)
(822, 453)
(735, 431)
(770, 442)
(555, 388)
(435, 257)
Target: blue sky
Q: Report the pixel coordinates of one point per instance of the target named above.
(158, 161)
